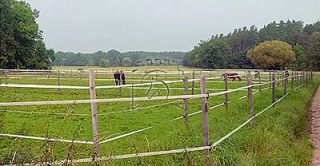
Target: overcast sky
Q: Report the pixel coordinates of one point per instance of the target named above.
(157, 25)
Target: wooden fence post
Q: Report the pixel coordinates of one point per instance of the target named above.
(80, 74)
(297, 78)
(307, 77)
(292, 79)
(278, 78)
(132, 96)
(226, 89)
(186, 102)
(205, 117)
(259, 75)
(49, 74)
(192, 90)
(285, 81)
(273, 87)
(311, 75)
(6, 76)
(120, 83)
(270, 79)
(59, 81)
(250, 97)
(95, 127)
(301, 77)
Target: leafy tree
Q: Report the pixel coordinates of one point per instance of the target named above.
(271, 54)
(20, 37)
(314, 51)
(301, 62)
(114, 57)
(215, 54)
(243, 39)
(126, 61)
(104, 63)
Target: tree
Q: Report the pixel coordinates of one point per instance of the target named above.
(20, 38)
(271, 54)
(314, 51)
(104, 63)
(301, 62)
(126, 61)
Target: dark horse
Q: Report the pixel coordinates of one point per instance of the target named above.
(233, 76)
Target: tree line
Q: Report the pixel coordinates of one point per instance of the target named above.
(21, 42)
(116, 58)
(230, 51)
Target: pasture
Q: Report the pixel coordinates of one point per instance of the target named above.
(129, 127)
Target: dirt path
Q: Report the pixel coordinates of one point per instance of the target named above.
(315, 128)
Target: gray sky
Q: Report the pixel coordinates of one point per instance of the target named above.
(157, 25)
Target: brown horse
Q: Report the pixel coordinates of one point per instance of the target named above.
(232, 75)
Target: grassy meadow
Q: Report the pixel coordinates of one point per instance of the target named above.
(279, 137)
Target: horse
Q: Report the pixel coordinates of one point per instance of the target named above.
(232, 75)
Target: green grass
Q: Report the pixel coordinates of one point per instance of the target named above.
(279, 137)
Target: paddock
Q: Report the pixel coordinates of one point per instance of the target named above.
(82, 116)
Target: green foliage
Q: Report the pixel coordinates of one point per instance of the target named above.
(271, 54)
(314, 51)
(20, 37)
(126, 61)
(114, 58)
(211, 54)
(243, 39)
(301, 62)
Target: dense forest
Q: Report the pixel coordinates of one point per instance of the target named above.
(230, 51)
(21, 43)
(116, 58)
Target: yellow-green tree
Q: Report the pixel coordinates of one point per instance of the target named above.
(271, 54)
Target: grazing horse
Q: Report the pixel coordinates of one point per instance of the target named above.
(233, 76)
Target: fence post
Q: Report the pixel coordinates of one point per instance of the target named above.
(132, 96)
(186, 102)
(307, 77)
(296, 78)
(226, 89)
(273, 87)
(59, 81)
(292, 79)
(285, 81)
(120, 83)
(301, 78)
(49, 74)
(250, 97)
(270, 79)
(311, 75)
(278, 78)
(6, 76)
(192, 90)
(95, 128)
(259, 74)
(80, 74)
(205, 117)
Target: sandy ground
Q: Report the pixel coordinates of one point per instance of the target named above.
(315, 128)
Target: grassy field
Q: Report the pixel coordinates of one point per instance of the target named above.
(278, 138)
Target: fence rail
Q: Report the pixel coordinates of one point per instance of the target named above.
(299, 79)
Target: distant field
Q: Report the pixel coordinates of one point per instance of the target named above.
(140, 68)
(115, 119)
